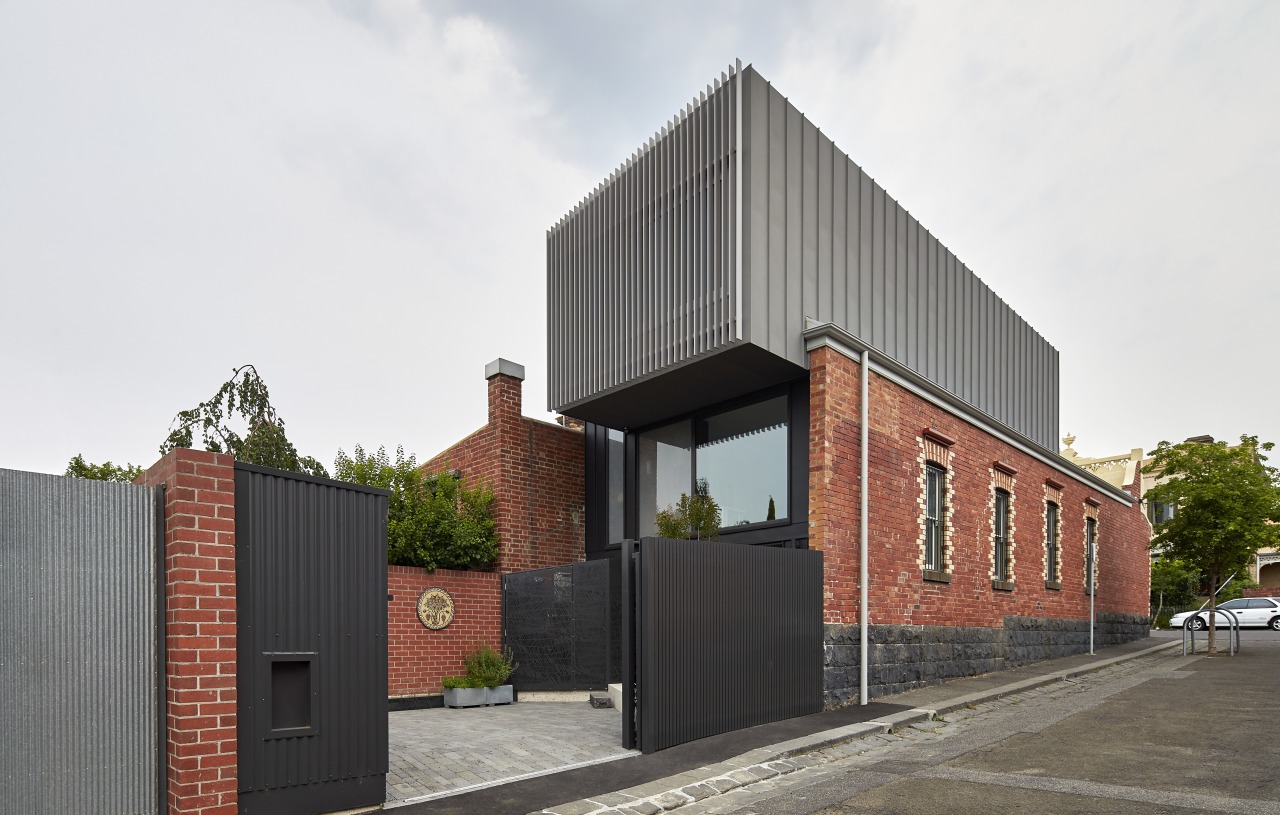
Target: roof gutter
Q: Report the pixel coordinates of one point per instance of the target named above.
(830, 335)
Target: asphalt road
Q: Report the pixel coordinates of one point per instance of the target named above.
(1160, 734)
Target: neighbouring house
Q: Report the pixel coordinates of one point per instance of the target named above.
(1119, 470)
(535, 470)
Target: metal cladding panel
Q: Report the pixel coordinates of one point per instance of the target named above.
(729, 636)
(643, 275)
(735, 225)
(311, 573)
(78, 653)
(824, 241)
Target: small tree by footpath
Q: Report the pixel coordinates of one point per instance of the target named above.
(1226, 502)
(694, 517)
(263, 443)
(433, 521)
(1173, 584)
(106, 471)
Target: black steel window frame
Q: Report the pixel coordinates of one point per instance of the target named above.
(1001, 536)
(1090, 554)
(1158, 512)
(935, 515)
(789, 532)
(1052, 522)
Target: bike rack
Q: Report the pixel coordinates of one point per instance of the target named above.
(1233, 645)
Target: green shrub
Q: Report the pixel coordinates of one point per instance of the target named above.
(694, 517)
(433, 521)
(461, 682)
(490, 667)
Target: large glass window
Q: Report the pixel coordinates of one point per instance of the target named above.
(665, 467)
(615, 497)
(742, 456)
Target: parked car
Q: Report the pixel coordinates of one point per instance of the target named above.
(1260, 612)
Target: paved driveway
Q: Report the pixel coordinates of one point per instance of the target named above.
(442, 751)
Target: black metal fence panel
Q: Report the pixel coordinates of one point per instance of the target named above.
(725, 637)
(560, 624)
(80, 666)
(311, 573)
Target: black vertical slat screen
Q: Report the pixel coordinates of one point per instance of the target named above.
(311, 573)
(726, 637)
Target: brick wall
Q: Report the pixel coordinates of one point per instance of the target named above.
(898, 593)
(417, 657)
(535, 469)
(200, 629)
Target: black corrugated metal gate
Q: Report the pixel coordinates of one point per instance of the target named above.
(717, 637)
(311, 574)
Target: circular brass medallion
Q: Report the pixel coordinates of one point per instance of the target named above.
(435, 609)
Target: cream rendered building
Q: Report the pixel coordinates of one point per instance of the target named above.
(1119, 471)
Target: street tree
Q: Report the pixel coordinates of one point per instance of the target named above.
(1226, 503)
(106, 471)
(1173, 583)
(262, 439)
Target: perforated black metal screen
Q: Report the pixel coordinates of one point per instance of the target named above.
(561, 625)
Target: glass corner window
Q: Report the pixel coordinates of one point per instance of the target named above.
(665, 462)
(739, 454)
(742, 456)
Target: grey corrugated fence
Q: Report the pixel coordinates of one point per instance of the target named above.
(78, 652)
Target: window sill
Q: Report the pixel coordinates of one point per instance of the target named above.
(934, 576)
(1002, 585)
(1049, 584)
(1094, 592)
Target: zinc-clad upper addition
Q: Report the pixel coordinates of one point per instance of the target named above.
(688, 276)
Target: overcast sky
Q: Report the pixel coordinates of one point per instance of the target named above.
(354, 196)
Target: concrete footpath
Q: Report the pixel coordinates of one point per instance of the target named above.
(723, 771)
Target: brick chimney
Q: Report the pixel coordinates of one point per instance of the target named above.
(504, 378)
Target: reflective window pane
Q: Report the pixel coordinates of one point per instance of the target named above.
(615, 495)
(742, 454)
(665, 463)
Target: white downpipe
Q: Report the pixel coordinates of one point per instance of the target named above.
(862, 536)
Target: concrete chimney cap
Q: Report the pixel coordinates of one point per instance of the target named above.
(504, 366)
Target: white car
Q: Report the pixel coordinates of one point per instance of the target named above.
(1259, 612)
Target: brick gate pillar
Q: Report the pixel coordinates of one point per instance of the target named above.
(200, 629)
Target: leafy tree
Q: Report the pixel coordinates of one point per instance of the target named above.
(1235, 589)
(264, 441)
(1173, 583)
(1226, 501)
(106, 471)
(694, 517)
(433, 521)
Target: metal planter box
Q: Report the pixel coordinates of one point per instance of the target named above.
(475, 697)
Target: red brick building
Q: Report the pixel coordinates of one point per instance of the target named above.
(719, 306)
(741, 310)
(535, 470)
